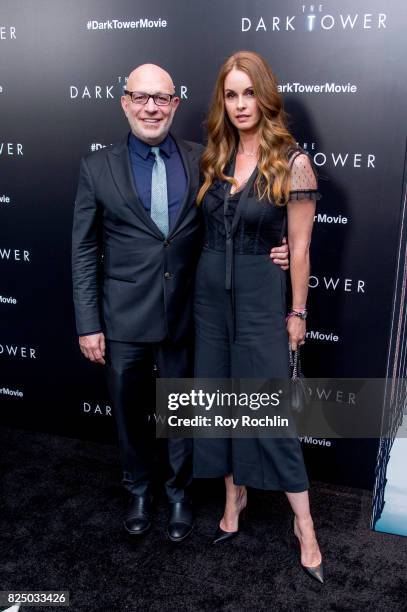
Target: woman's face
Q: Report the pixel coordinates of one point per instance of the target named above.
(240, 101)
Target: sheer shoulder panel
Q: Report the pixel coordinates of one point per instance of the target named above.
(304, 184)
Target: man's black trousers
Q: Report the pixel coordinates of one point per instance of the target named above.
(131, 384)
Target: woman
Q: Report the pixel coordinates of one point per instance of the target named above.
(258, 184)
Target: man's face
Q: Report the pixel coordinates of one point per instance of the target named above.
(149, 122)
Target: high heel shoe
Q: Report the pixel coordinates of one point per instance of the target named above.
(222, 536)
(316, 572)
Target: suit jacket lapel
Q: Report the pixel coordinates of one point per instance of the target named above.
(190, 159)
(120, 167)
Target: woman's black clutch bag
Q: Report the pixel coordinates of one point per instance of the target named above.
(298, 388)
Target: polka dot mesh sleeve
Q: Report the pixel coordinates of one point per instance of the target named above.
(304, 184)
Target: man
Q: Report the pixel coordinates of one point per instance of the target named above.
(136, 242)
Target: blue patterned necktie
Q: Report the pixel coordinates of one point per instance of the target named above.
(159, 195)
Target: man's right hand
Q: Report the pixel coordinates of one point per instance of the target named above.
(93, 347)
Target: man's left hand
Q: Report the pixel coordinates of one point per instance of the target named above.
(280, 255)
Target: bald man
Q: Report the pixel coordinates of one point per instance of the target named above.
(136, 242)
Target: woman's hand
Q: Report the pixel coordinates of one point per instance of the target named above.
(296, 328)
(280, 255)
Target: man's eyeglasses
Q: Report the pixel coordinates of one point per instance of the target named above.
(138, 97)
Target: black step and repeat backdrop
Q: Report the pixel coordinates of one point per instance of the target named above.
(342, 71)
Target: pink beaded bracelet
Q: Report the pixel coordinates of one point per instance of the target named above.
(302, 315)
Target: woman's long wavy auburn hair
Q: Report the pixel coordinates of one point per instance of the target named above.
(274, 138)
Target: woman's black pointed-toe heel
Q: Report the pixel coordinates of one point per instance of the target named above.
(222, 536)
(316, 572)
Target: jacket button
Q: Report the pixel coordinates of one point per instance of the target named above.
(166, 243)
(167, 275)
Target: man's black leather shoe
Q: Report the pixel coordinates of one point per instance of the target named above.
(181, 521)
(138, 516)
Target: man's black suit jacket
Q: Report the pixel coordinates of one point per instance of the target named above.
(129, 281)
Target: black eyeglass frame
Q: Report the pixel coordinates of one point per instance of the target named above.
(154, 96)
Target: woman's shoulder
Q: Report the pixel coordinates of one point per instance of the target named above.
(293, 151)
(303, 175)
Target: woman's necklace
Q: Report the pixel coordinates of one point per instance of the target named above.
(245, 170)
(247, 153)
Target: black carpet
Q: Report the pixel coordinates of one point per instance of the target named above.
(62, 512)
